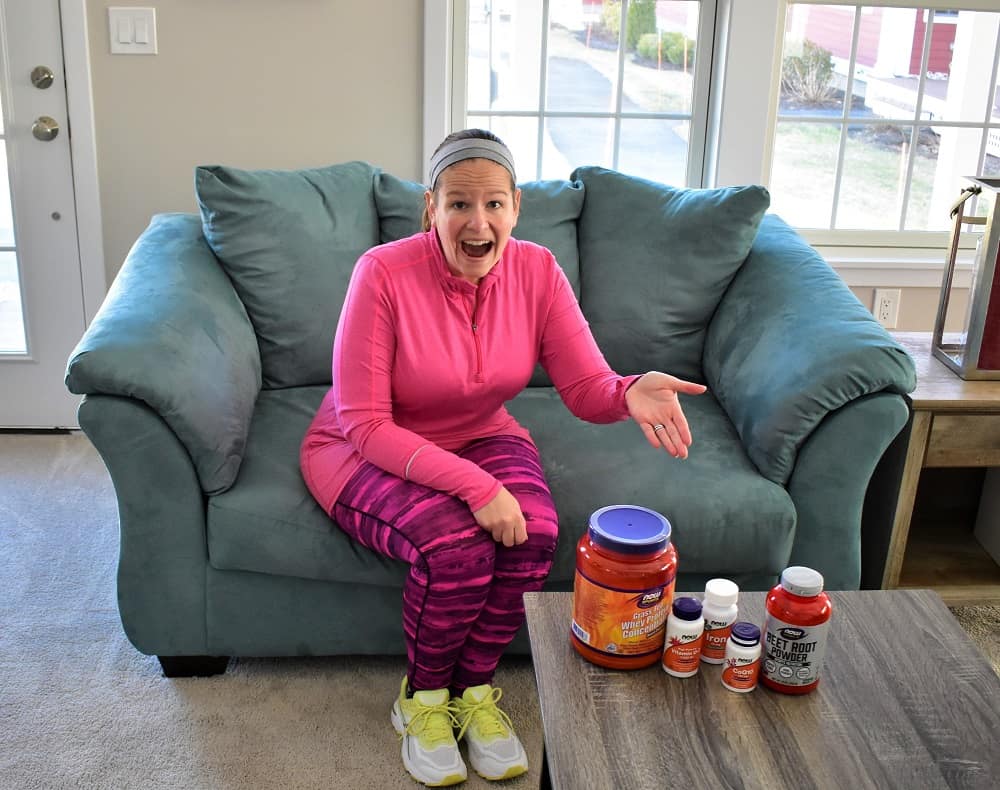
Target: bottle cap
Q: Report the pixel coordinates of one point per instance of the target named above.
(687, 608)
(799, 580)
(629, 529)
(745, 633)
(721, 592)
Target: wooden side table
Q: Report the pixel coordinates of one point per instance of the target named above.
(956, 423)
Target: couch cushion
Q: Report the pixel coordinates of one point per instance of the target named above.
(289, 239)
(655, 260)
(727, 519)
(269, 522)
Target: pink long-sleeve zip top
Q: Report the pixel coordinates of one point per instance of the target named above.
(424, 361)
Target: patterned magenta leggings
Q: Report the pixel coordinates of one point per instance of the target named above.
(462, 601)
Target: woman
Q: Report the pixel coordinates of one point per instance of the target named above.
(413, 454)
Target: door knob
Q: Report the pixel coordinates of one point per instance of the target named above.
(45, 128)
(41, 77)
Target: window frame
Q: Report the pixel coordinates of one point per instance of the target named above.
(742, 118)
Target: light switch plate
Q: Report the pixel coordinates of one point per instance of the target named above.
(123, 24)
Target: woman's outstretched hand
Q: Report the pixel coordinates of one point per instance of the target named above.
(653, 403)
(503, 519)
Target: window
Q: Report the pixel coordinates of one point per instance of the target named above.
(882, 111)
(617, 83)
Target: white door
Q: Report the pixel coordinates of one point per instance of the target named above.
(41, 289)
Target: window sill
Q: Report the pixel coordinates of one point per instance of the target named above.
(896, 269)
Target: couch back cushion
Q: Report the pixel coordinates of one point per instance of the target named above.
(289, 239)
(655, 261)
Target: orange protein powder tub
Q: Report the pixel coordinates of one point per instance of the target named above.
(624, 584)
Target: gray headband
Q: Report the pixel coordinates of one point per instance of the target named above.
(471, 148)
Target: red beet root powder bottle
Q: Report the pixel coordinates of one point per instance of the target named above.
(795, 631)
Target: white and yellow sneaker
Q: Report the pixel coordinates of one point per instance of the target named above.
(426, 724)
(494, 750)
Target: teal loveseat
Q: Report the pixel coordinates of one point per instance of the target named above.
(211, 353)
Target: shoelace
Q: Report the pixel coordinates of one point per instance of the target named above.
(490, 720)
(436, 723)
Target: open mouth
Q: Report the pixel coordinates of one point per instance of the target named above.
(477, 249)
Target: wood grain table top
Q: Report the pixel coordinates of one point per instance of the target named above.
(938, 387)
(905, 700)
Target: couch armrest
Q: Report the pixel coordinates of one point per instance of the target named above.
(789, 344)
(173, 333)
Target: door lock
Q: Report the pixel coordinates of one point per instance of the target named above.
(45, 128)
(42, 77)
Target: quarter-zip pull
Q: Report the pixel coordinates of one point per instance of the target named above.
(474, 323)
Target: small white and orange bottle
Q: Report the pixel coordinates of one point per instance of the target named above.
(685, 629)
(719, 610)
(742, 664)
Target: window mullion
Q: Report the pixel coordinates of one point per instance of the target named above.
(911, 157)
(622, 27)
(542, 88)
(845, 115)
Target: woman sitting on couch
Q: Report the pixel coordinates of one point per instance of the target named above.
(413, 454)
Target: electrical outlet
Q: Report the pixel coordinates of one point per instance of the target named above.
(886, 306)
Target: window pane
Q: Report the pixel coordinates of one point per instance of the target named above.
(521, 136)
(803, 173)
(871, 188)
(504, 55)
(815, 59)
(6, 215)
(654, 149)
(11, 314)
(659, 75)
(582, 64)
(991, 162)
(572, 142)
(957, 89)
(941, 163)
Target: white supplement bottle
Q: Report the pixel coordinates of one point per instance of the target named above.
(719, 610)
(682, 646)
(742, 658)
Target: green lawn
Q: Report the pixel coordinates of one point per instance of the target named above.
(802, 178)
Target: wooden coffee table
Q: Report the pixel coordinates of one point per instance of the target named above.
(905, 700)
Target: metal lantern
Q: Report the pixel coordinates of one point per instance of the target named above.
(974, 351)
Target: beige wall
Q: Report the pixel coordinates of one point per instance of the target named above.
(250, 83)
(918, 307)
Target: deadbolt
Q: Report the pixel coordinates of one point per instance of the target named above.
(45, 128)
(41, 77)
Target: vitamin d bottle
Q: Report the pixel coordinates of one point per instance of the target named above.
(742, 665)
(623, 588)
(685, 629)
(795, 631)
(719, 611)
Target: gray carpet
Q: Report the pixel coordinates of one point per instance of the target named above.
(80, 708)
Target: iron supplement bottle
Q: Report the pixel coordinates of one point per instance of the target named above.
(795, 631)
(719, 611)
(623, 587)
(682, 647)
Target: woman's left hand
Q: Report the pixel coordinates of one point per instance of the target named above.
(653, 403)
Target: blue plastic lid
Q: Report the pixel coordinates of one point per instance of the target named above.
(687, 608)
(629, 529)
(744, 632)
